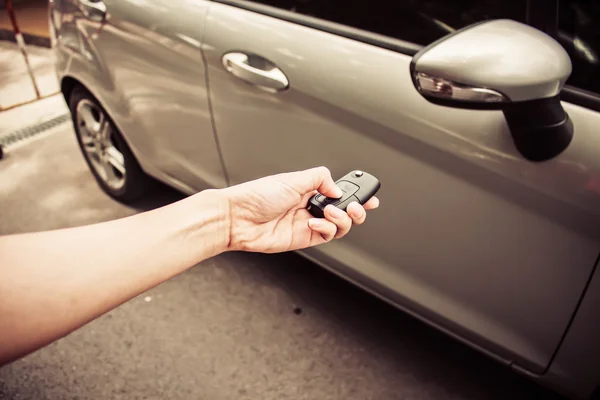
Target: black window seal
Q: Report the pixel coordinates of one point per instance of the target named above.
(386, 42)
(569, 93)
(581, 97)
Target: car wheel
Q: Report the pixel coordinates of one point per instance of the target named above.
(107, 154)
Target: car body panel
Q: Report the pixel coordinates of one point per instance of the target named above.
(473, 236)
(146, 69)
(576, 365)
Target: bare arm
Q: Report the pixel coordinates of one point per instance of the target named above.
(51, 283)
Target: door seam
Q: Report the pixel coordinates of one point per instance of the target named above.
(573, 316)
(209, 98)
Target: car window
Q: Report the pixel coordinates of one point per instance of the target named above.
(416, 21)
(579, 33)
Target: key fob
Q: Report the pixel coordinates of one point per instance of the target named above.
(356, 186)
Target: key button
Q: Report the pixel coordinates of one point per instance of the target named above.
(348, 188)
(328, 200)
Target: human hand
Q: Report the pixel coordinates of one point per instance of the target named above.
(269, 215)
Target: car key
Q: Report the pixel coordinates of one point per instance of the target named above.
(356, 186)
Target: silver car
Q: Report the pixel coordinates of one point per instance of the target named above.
(480, 118)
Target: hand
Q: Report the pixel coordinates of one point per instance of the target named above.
(269, 215)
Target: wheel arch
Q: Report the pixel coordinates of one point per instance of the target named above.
(68, 84)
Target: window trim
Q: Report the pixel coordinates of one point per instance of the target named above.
(580, 97)
(375, 39)
(570, 94)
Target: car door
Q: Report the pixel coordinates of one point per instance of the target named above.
(145, 66)
(470, 236)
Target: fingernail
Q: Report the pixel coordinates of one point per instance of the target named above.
(336, 192)
(335, 212)
(355, 212)
(314, 222)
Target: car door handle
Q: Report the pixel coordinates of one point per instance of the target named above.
(94, 10)
(269, 76)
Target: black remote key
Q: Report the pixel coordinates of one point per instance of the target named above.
(356, 186)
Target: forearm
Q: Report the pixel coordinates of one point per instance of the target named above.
(54, 282)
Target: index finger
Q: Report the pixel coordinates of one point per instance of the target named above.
(318, 179)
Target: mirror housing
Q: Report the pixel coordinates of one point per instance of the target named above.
(94, 10)
(502, 65)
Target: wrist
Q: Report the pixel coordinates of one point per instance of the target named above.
(211, 221)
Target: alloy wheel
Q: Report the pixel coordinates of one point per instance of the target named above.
(97, 138)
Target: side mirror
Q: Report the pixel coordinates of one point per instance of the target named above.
(502, 65)
(94, 10)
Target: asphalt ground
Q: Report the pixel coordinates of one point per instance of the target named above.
(16, 86)
(238, 326)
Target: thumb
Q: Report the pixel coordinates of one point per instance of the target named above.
(318, 179)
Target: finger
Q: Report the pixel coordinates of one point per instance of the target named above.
(356, 212)
(318, 178)
(325, 228)
(339, 218)
(371, 204)
(304, 200)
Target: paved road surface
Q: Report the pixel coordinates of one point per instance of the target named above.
(15, 84)
(239, 326)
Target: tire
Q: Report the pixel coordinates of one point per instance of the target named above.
(107, 154)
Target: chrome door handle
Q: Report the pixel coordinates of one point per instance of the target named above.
(94, 10)
(272, 78)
